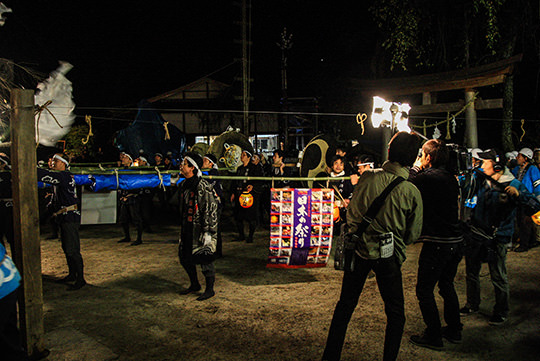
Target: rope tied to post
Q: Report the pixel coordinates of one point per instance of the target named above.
(88, 120)
(161, 185)
(38, 109)
(117, 178)
(449, 117)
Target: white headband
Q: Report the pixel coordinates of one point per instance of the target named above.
(214, 165)
(127, 155)
(143, 158)
(371, 164)
(56, 156)
(193, 163)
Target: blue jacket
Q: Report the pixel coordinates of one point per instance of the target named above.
(495, 210)
(9, 275)
(531, 179)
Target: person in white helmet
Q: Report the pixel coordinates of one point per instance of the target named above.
(511, 161)
(528, 174)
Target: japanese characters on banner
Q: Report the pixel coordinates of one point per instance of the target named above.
(301, 227)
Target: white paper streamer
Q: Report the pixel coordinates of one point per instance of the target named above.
(58, 89)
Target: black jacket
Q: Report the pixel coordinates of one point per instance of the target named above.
(64, 193)
(440, 192)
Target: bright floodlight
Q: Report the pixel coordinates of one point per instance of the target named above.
(388, 114)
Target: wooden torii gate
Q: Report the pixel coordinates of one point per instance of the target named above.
(428, 85)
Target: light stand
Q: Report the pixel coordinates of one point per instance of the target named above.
(391, 117)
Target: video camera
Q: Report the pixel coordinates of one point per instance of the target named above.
(459, 159)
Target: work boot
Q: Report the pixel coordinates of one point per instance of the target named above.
(126, 238)
(521, 248)
(69, 278)
(139, 232)
(497, 320)
(427, 342)
(194, 284)
(467, 310)
(209, 291)
(136, 243)
(453, 336)
(79, 272)
(190, 289)
(77, 285)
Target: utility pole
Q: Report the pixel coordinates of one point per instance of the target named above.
(285, 45)
(246, 63)
(245, 69)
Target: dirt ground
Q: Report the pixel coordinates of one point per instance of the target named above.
(132, 308)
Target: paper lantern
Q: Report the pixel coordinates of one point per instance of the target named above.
(536, 218)
(336, 213)
(246, 200)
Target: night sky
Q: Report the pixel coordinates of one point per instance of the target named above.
(124, 51)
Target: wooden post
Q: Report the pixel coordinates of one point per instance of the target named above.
(471, 129)
(426, 98)
(27, 252)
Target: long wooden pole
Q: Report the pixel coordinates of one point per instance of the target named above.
(27, 252)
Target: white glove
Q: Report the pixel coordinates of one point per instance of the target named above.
(208, 242)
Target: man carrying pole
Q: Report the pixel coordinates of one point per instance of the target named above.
(67, 216)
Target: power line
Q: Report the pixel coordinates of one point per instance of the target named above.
(259, 112)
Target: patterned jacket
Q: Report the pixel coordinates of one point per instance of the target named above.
(204, 217)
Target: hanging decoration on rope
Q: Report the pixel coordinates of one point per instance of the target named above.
(436, 133)
(522, 129)
(167, 134)
(88, 120)
(449, 121)
(360, 119)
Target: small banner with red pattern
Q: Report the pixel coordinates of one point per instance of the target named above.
(301, 226)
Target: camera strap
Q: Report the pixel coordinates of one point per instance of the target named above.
(376, 206)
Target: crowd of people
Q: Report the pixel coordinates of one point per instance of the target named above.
(479, 214)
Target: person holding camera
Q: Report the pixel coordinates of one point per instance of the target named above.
(381, 245)
(442, 240)
(490, 228)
